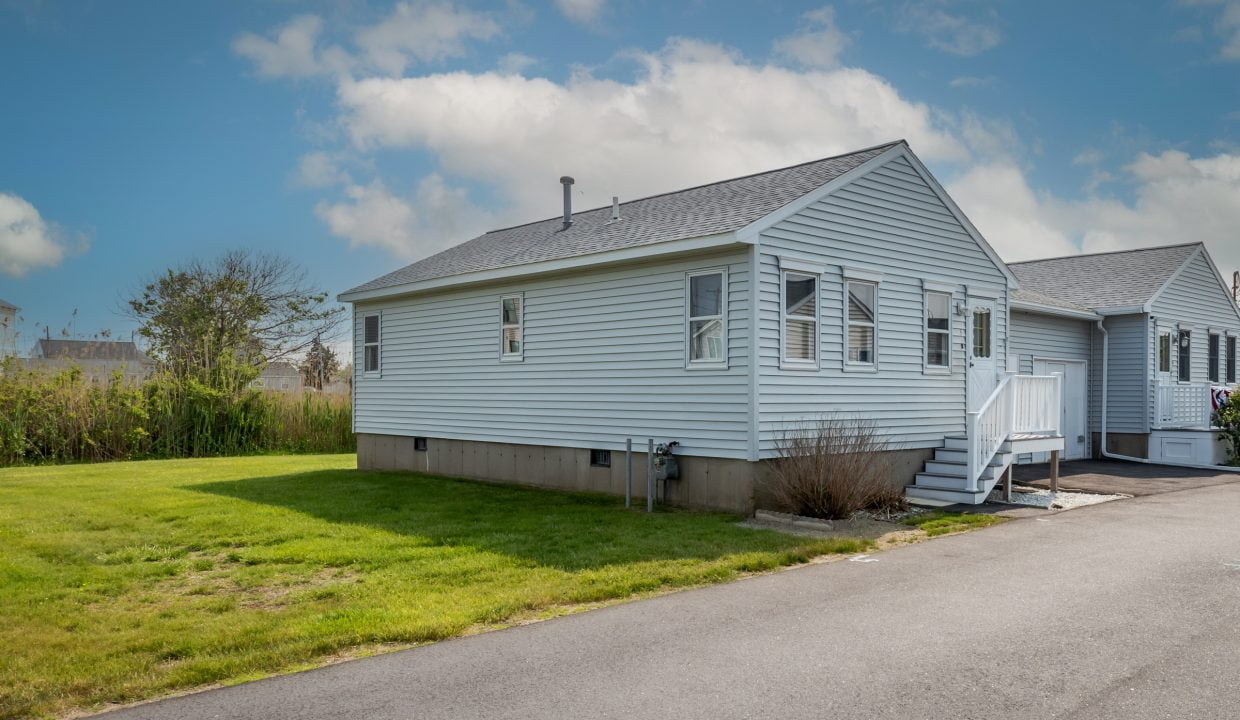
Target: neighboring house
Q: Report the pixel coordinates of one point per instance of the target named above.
(1171, 333)
(8, 329)
(98, 359)
(279, 376)
(721, 317)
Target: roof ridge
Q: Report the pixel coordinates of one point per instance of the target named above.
(1107, 252)
(891, 143)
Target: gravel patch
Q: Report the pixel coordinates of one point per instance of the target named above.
(1053, 501)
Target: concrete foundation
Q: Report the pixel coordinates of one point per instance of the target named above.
(736, 486)
(1131, 444)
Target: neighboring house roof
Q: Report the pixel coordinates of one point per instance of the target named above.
(1127, 279)
(6, 305)
(711, 209)
(118, 350)
(279, 369)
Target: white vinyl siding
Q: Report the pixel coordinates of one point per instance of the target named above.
(1132, 354)
(604, 359)
(1035, 336)
(886, 222)
(1195, 300)
(706, 326)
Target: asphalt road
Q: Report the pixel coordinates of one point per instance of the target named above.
(1124, 610)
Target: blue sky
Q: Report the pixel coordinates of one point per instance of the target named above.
(357, 136)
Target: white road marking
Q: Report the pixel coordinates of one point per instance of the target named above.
(862, 558)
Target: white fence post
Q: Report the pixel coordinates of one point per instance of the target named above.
(971, 430)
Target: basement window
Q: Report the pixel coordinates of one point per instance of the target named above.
(419, 444)
(600, 458)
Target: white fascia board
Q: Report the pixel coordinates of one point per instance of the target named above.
(629, 254)
(1052, 310)
(1124, 310)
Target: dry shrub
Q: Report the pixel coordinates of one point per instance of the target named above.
(832, 467)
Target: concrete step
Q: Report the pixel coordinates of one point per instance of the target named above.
(916, 493)
(939, 482)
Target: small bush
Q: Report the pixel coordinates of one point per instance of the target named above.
(833, 467)
(1227, 417)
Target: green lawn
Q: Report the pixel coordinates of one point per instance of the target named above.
(128, 580)
(939, 522)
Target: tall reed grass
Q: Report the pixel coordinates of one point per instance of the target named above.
(63, 417)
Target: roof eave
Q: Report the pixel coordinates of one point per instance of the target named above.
(1052, 310)
(628, 254)
(1123, 310)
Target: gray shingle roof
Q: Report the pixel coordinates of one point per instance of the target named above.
(699, 211)
(1030, 296)
(91, 350)
(1106, 280)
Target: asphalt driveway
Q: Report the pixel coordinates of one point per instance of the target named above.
(1117, 477)
(1120, 610)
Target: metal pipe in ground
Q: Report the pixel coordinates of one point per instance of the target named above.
(650, 475)
(628, 473)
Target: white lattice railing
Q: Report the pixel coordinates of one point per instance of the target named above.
(1019, 404)
(1182, 405)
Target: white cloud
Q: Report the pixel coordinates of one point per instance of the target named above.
(515, 63)
(957, 34)
(968, 81)
(586, 12)
(293, 52)
(818, 43)
(27, 241)
(436, 216)
(695, 113)
(1229, 28)
(319, 170)
(422, 31)
(1176, 198)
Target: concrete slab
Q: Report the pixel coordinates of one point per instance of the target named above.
(1127, 478)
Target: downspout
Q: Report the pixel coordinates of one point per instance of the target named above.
(1127, 458)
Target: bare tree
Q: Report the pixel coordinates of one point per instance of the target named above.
(219, 321)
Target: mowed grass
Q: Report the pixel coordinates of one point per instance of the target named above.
(124, 581)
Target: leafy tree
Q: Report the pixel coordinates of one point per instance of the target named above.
(319, 366)
(218, 322)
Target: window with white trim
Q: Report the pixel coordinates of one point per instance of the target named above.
(862, 318)
(981, 332)
(707, 317)
(1212, 367)
(938, 329)
(1164, 353)
(1231, 358)
(800, 318)
(511, 332)
(370, 342)
(1185, 343)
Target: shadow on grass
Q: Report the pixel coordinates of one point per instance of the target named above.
(565, 530)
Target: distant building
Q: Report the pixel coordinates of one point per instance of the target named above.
(8, 328)
(98, 359)
(279, 376)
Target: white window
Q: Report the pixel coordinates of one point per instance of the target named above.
(1212, 362)
(981, 332)
(1231, 358)
(511, 340)
(800, 319)
(861, 316)
(938, 330)
(370, 342)
(1185, 344)
(1164, 353)
(707, 318)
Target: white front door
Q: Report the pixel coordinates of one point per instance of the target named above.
(983, 371)
(1073, 406)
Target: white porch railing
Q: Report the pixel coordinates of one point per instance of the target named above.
(1182, 405)
(1019, 404)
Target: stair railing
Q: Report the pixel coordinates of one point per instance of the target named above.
(987, 428)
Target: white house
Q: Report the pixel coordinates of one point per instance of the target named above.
(719, 317)
(1160, 323)
(8, 329)
(99, 360)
